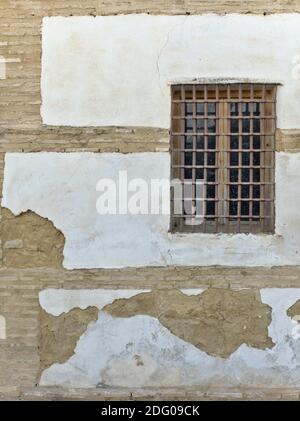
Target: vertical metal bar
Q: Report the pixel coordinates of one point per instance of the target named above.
(274, 126)
(217, 154)
(251, 162)
(226, 160)
(222, 127)
(240, 121)
(263, 147)
(194, 203)
(171, 147)
(205, 159)
(182, 153)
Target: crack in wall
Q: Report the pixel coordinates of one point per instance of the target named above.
(164, 46)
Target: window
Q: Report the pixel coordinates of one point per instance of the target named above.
(222, 151)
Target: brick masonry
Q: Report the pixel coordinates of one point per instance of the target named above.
(21, 130)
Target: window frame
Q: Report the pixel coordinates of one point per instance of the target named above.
(187, 97)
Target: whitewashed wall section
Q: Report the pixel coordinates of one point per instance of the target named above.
(106, 353)
(62, 188)
(116, 70)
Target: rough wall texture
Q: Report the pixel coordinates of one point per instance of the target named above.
(30, 241)
(59, 335)
(21, 130)
(138, 350)
(218, 321)
(19, 304)
(294, 311)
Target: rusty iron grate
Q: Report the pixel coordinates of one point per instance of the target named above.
(223, 153)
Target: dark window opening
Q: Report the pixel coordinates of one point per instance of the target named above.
(223, 147)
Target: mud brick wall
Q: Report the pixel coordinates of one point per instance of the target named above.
(31, 259)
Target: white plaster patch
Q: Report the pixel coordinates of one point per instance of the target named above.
(140, 352)
(62, 188)
(192, 291)
(116, 70)
(2, 327)
(65, 192)
(58, 301)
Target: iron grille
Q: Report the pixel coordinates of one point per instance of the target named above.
(223, 153)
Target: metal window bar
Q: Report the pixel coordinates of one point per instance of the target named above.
(223, 151)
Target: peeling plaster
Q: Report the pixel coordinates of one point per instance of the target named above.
(165, 360)
(294, 311)
(62, 188)
(86, 61)
(59, 301)
(59, 335)
(30, 241)
(217, 321)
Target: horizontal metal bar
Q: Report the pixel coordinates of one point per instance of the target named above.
(224, 150)
(213, 117)
(233, 167)
(215, 199)
(188, 216)
(222, 101)
(215, 183)
(173, 133)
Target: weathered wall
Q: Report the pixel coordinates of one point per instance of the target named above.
(62, 188)
(97, 71)
(21, 305)
(30, 241)
(59, 335)
(177, 48)
(167, 338)
(21, 130)
(20, 45)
